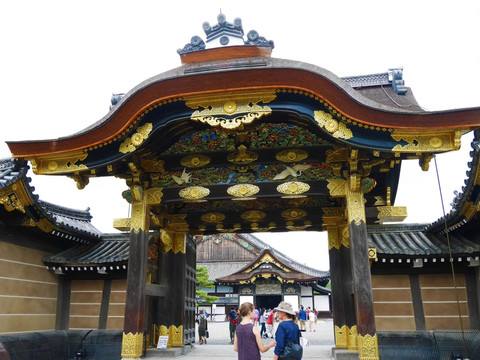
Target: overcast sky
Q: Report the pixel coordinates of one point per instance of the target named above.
(62, 60)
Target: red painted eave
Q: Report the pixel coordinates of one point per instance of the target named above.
(338, 95)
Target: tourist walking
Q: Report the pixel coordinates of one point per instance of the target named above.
(312, 319)
(202, 327)
(262, 322)
(248, 342)
(302, 317)
(232, 316)
(270, 317)
(287, 330)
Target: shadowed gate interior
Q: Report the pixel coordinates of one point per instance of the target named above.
(267, 301)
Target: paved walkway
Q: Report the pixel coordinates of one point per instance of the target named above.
(218, 345)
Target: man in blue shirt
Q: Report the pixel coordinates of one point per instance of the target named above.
(302, 317)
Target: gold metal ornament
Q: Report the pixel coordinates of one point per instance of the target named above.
(243, 190)
(131, 143)
(368, 347)
(242, 156)
(253, 215)
(426, 142)
(291, 155)
(132, 345)
(194, 161)
(336, 187)
(59, 164)
(213, 218)
(293, 188)
(341, 336)
(337, 129)
(352, 338)
(392, 213)
(230, 110)
(194, 192)
(294, 214)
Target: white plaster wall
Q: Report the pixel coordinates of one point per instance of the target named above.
(321, 303)
(292, 299)
(306, 290)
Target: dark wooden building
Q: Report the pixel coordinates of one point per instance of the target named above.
(244, 268)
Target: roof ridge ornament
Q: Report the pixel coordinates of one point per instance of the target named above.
(223, 34)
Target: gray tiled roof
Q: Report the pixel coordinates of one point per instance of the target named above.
(11, 170)
(74, 220)
(220, 269)
(413, 241)
(368, 80)
(113, 249)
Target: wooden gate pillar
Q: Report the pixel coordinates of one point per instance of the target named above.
(133, 338)
(362, 282)
(344, 319)
(175, 312)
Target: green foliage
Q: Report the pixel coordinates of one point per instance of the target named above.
(203, 283)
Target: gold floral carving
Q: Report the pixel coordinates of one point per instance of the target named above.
(194, 192)
(132, 345)
(426, 142)
(368, 347)
(242, 156)
(336, 187)
(334, 127)
(291, 155)
(341, 336)
(152, 165)
(253, 215)
(293, 188)
(154, 196)
(391, 213)
(213, 218)
(293, 214)
(243, 190)
(231, 110)
(131, 143)
(59, 164)
(345, 236)
(352, 343)
(194, 161)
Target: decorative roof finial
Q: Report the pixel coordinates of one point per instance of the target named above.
(223, 34)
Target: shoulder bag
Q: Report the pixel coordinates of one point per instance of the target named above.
(292, 350)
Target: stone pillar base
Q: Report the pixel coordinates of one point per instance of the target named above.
(168, 353)
(344, 354)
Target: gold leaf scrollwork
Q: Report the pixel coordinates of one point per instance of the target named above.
(194, 161)
(232, 110)
(337, 129)
(355, 207)
(154, 196)
(341, 336)
(291, 155)
(166, 241)
(293, 188)
(132, 345)
(131, 143)
(253, 215)
(194, 193)
(336, 187)
(177, 335)
(368, 347)
(243, 190)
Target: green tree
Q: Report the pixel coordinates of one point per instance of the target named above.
(202, 296)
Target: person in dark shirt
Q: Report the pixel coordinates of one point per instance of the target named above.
(302, 317)
(232, 316)
(248, 342)
(287, 330)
